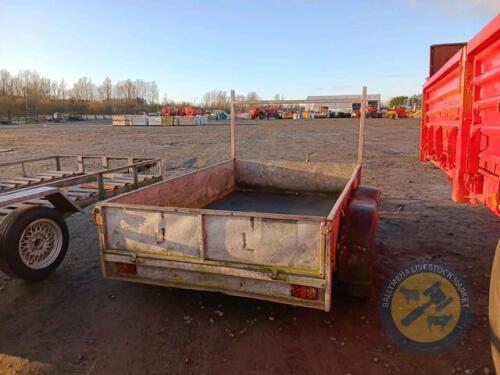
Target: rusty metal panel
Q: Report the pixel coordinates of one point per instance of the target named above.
(291, 244)
(156, 232)
(269, 289)
(440, 54)
(294, 175)
(193, 190)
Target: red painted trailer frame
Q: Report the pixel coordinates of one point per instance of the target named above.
(460, 129)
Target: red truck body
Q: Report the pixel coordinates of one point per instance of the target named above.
(401, 112)
(460, 129)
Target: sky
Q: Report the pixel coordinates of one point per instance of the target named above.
(295, 48)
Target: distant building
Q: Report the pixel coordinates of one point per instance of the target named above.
(338, 102)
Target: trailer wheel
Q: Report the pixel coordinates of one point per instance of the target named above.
(33, 242)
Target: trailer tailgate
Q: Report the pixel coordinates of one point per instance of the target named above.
(288, 244)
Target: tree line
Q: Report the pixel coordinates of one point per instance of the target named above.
(414, 101)
(27, 94)
(218, 99)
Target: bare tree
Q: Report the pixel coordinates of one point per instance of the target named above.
(105, 90)
(252, 95)
(216, 99)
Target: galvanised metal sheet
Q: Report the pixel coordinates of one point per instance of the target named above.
(154, 232)
(292, 244)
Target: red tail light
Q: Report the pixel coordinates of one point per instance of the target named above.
(304, 292)
(126, 268)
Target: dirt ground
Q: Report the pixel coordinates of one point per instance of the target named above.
(77, 323)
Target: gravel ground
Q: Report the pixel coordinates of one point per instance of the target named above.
(76, 322)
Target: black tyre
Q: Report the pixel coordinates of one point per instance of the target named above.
(33, 242)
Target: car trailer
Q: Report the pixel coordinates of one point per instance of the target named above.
(282, 231)
(39, 195)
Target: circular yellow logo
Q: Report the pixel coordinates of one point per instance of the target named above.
(426, 306)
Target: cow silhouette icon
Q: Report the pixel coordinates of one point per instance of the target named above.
(410, 294)
(441, 321)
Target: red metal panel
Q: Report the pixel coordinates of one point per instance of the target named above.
(483, 53)
(460, 130)
(441, 115)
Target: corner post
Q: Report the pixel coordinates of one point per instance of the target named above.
(81, 163)
(101, 192)
(362, 119)
(58, 162)
(233, 126)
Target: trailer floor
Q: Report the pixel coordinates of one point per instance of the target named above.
(276, 203)
(77, 323)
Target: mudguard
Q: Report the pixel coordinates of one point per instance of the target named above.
(356, 246)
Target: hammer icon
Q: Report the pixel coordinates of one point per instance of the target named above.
(436, 297)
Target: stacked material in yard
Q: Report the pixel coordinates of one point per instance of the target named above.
(307, 115)
(122, 120)
(154, 120)
(167, 120)
(200, 120)
(183, 120)
(141, 120)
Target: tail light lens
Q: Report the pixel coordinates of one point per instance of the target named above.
(126, 268)
(304, 292)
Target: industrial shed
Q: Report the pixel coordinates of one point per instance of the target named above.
(338, 102)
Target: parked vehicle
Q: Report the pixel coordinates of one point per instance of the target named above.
(321, 115)
(264, 113)
(460, 128)
(283, 231)
(371, 110)
(34, 236)
(75, 117)
(396, 112)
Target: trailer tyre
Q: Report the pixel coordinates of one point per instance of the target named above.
(33, 242)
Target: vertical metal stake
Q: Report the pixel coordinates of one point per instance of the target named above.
(233, 126)
(100, 186)
(362, 118)
(105, 162)
(135, 176)
(58, 163)
(81, 165)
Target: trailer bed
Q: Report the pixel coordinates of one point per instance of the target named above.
(276, 202)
